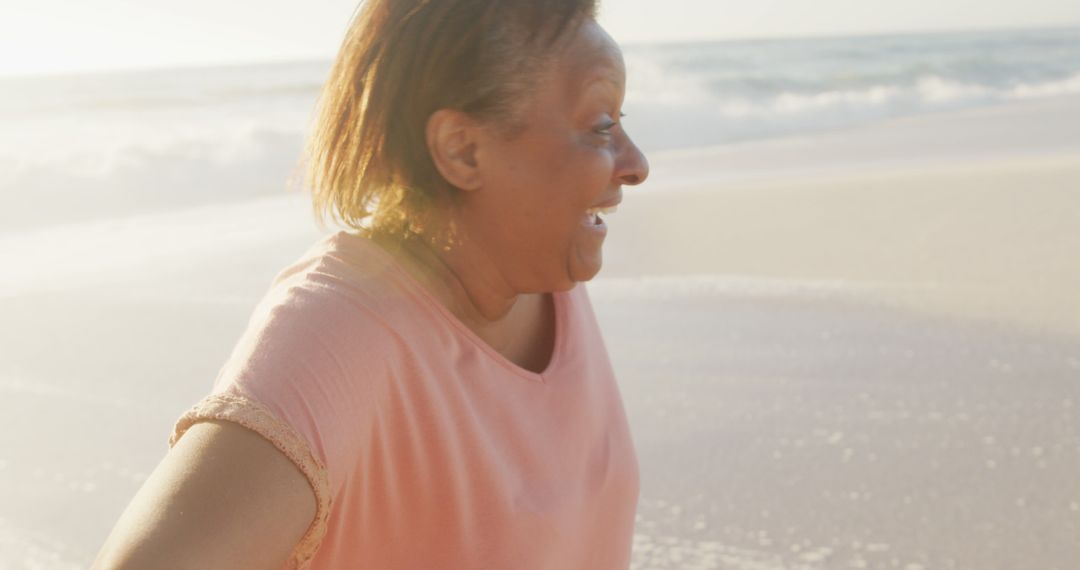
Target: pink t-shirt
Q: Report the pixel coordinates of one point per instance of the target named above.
(424, 446)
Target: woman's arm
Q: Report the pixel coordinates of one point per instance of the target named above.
(223, 497)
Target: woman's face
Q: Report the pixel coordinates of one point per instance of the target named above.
(529, 214)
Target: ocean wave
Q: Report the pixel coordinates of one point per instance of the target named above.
(1067, 86)
(924, 92)
(732, 91)
(146, 176)
(691, 116)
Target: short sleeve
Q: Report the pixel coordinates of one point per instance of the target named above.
(306, 375)
(256, 417)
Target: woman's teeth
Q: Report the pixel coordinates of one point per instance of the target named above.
(605, 211)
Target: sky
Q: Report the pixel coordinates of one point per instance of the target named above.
(53, 36)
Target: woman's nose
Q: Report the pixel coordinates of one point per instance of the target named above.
(633, 167)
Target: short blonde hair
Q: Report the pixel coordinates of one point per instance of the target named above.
(367, 161)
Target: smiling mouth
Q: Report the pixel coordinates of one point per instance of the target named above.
(594, 213)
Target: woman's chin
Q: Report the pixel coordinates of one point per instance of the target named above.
(586, 263)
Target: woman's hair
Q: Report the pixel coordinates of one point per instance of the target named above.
(368, 164)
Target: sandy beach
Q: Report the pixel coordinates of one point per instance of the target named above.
(980, 239)
(855, 349)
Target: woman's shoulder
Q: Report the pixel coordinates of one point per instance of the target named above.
(340, 262)
(341, 282)
(316, 353)
(331, 317)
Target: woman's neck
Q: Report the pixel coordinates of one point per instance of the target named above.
(459, 276)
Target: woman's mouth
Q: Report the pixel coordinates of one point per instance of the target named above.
(594, 214)
(592, 221)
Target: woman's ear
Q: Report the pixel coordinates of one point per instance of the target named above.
(451, 141)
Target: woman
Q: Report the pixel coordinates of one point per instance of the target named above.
(429, 390)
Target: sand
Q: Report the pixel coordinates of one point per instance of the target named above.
(996, 240)
(848, 350)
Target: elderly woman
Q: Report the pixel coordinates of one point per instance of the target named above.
(430, 389)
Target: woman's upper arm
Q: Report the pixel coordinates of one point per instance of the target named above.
(223, 497)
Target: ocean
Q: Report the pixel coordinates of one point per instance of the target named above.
(105, 145)
(715, 93)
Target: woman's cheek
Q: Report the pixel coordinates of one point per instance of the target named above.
(603, 168)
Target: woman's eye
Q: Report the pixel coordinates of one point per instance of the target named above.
(605, 129)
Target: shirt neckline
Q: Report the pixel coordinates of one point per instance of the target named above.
(558, 298)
